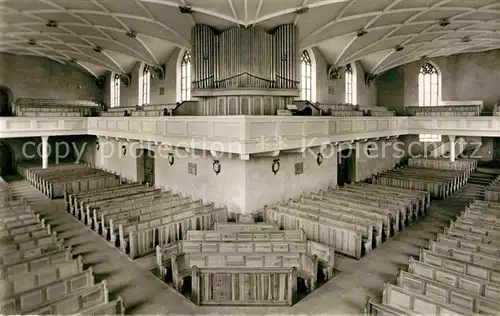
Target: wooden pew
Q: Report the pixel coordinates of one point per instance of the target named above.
(78, 302)
(457, 265)
(142, 237)
(347, 217)
(418, 303)
(204, 267)
(112, 199)
(416, 200)
(447, 294)
(245, 227)
(468, 165)
(23, 282)
(398, 215)
(152, 212)
(141, 194)
(47, 293)
(423, 196)
(102, 217)
(474, 285)
(385, 218)
(480, 259)
(345, 240)
(444, 110)
(73, 198)
(456, 242)
(36, 263)
(366, 230)
(375, 309)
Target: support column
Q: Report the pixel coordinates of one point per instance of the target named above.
(452, 148)
(45, 152)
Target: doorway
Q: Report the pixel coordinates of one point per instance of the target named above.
(346, 166)
(146, 166)
(5, 102)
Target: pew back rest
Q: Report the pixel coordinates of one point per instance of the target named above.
(249, 227)
(284, 235)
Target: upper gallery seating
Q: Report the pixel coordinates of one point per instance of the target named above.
(353, 110)
(352, 219)
(169, 109)
(459, 273)
(222, 262)
(445, 110)
(55, 107)
(39, 276)
(429, 176)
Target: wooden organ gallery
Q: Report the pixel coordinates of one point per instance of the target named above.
(245, 71)
(199, 163)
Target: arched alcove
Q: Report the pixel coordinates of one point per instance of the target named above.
(6, 100)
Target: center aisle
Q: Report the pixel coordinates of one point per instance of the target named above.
(143, 293)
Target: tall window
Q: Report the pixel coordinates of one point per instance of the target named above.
(116, 91)
(186, 77)
(306, 76)
(146, 85)
(350, 85)
(428, 94)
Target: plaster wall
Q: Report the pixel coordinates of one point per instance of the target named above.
(471, 76)
(38, 77)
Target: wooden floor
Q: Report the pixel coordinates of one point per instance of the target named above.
(143, 293)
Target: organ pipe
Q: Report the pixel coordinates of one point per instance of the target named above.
(245, 57)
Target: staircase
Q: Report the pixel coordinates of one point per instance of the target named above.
(481, 178)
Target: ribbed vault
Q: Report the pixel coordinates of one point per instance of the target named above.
(101, 35)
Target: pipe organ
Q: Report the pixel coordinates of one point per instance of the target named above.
(244, 71)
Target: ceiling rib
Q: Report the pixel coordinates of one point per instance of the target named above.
(426, 31)
(395, 30)
(381, 13)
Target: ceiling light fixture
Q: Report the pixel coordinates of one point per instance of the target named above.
(185, 9)
(32, 42)
(98, 49)
(444, 22)
(132, 34)
(302, 10)
(52, 23)
(361, 33)
(465, 39)
(399, 48)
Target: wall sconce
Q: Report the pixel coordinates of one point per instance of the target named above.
(97, 145)
(216, 166)
(319, 159)
(275, 167)
(124, 150)
(171, 159)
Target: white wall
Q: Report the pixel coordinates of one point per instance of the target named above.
(383, 156)
(225, 189)
(265, 188)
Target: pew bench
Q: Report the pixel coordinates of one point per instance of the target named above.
(213, 267)
(141, 238)
(474, 285)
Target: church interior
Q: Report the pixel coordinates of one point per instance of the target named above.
(250, 157)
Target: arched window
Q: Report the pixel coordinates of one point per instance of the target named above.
(115, 88)
(306, 77)
(429, 94)
(351, 96)
(146, 85)
(186, 77)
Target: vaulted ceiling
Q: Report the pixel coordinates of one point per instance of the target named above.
(101, 35)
